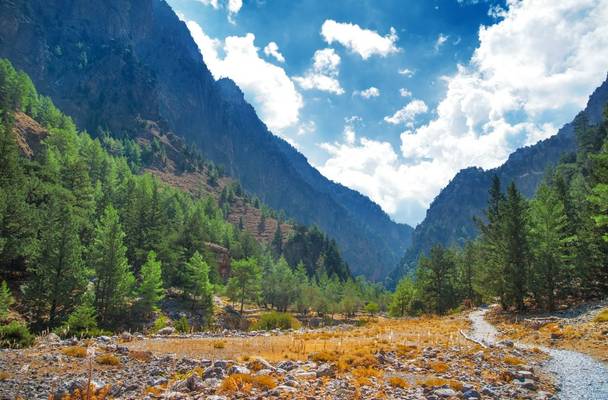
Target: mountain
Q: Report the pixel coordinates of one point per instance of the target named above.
(112, 65)
(449, 219)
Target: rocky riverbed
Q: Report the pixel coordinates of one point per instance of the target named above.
(454, 369)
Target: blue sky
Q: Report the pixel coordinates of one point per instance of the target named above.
(393, 97)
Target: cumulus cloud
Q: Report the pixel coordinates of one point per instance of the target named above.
(234, 6)
(408, 113)
(272, 50)
(323, 75)
(364, 42)
(403, 92)
(367, 93)
(408, 73)
(532, 72)
(266, 85)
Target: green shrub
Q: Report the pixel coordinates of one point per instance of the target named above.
(82, 322)
(182, 325)
(159, 323)
(15, 335)
(275, 320)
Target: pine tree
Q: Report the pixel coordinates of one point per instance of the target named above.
(549, 239)
(402, 297)
(436, 279)
(277, 241)
(113, 279)
(58, 277)
(517, 249)
(197, 285)
(245, 280)
(150, 289)
(6, 300)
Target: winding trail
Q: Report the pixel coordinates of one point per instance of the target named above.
(580, 377)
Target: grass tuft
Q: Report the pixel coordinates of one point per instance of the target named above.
(398, 382)
(75, 351)
(245, 383)
(107, 359)
(602, 316)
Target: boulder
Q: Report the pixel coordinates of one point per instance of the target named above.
(326, 370)
(167, 330)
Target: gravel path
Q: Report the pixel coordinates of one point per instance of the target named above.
(580, 377)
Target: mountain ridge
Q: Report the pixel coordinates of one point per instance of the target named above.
(449, 218)
(111, 66)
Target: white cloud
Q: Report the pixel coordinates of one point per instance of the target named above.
(441, 39)
(532, 72)
(408, 73)
(364, 42)
(272, 50)
(367, 93)
(403, 92)
(323, 75)
(212, 3)
(266, 85)
(408, 113)
(306, 128)
(234, 6)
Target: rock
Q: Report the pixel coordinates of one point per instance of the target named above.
(279, 390)
(326, 370)
(237, 369)
(445, 392)
(213, 383)
(525, 383)
(51, 338)
(168, 330)
(266, 372)
(223, 364)
(471, 394)
(287, 365)
(195, 383)
(488, 391)
(292, 383)
(306, 374)
(214, 372)
(265, 364)
(557, 335)
(524, 375)
(506, 343)
(216, 397)
(126, 336)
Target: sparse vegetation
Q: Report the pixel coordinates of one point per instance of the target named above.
(15, 335)
(107, 359)
(602, 316)
(244, 383)
(75, 351)
(275, 320)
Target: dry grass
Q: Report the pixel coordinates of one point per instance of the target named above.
(439, 367)
(244, 383)
(107, 359)
(511, 360)
(93, 394)
(349, 348)
(219, 344)
(4, 375)
(75, 351)
(602, 316)
(398, 382)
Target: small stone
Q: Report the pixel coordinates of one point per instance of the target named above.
(471, 394)
(223, 364)
(126, 336)
(168, 330)
(237, 369)
(445, 392)
(525, 383)
(326, 370)
(264, 372)
(287, 365)
(277, 391)
(214, 372)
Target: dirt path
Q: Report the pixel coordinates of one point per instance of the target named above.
(579, 376)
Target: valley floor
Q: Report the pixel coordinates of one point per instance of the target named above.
(421, 358)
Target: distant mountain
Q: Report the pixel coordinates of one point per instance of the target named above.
(113, 64)
(449, 219)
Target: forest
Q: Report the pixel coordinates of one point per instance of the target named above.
(549, 251)
(89, 243)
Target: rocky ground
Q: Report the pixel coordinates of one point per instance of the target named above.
(408, 359)
(576, 328)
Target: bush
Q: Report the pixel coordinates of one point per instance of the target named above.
(107, 359)
(75, 351)
(159, 323)
(275, 320)
(182, 325)
(15, 335)
(82, 322)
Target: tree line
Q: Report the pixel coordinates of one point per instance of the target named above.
(88, 241)
(543, 252)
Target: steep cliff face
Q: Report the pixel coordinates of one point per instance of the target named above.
(449, 219)
(116, 63)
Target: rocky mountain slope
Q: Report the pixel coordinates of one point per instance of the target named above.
(449, 219)
(111, 64)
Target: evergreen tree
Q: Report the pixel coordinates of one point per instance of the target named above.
(277, 241)
(151, 287)
(517, 249)
(197, 283)
(436, 279)
(402, 297)
(113, 279)
(244, 283)
(6, 300)
(58, 277)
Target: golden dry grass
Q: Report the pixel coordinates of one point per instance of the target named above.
(75, 351)
(245, 383)
(349, 348)
(602, 316)
(107, 359)
(398, 382)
